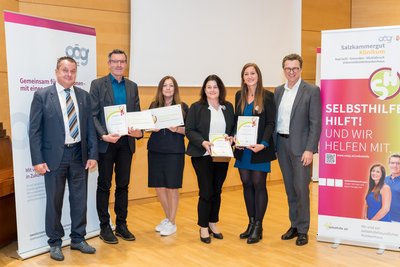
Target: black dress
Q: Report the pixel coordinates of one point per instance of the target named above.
(166, 157)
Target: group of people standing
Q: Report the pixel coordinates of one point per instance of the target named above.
(289, 129)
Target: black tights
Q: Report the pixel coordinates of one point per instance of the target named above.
(255, 192)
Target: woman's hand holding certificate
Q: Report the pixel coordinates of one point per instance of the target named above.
(246, 132)
(221, 145)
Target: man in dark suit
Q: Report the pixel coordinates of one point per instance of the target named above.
(115, 151)
(297, 134)
(63, 147)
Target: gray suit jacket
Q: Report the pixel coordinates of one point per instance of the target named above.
(102, 95)
(46, 128)
(305, 119)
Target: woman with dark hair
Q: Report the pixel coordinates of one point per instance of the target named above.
(254, 161)
(379, 196)
(166, 156)
(212, 114)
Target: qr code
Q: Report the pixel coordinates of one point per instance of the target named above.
(330, 158)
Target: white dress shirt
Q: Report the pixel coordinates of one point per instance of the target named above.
(285, 108)
(217, 122)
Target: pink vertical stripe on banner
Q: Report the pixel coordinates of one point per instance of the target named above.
(46, 23)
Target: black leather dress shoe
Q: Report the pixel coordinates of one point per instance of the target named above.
(302, 240)
(215, 235)
(206, 240)
(290, 234)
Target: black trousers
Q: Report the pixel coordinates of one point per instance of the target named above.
(72, 170)
(118, 158)
(210, 177)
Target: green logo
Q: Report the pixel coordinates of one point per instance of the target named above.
(384, 83)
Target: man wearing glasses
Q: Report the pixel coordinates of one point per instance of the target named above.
(298, 129)
(115, 151)
(393, 181)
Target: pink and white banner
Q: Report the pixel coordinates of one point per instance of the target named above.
(33, 46)
(360, 82)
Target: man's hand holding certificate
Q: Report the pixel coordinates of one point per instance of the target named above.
(221, 146)
(246, 132)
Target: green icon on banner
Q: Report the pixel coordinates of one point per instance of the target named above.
(384, 83)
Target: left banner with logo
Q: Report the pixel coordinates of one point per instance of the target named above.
(33, 46)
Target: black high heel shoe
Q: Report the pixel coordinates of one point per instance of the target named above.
(256, 233)
(215, 235)
(206, 240)
(250, 227)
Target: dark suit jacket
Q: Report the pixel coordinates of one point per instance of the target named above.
(102, 95)
(198, 126)
(46, 127)
(305, 119)
(265, 128)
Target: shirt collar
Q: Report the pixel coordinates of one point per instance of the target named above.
(61, 88)
(296, 86)
(395, 178)
(113, 80)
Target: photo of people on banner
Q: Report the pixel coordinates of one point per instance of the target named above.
(382, 199)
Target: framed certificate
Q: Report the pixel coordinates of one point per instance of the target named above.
(246, 131)
(116, 119)
(220, 147)
(140, 120)
(166, 117)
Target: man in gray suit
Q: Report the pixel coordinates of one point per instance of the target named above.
(115, 151)
(63, 147)
(297, 134)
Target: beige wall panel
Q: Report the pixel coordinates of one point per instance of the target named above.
(4, 103)
(311, 40)
(114, 5)
(371, 13)
(112, 28)
(10, 5)
(325, 15)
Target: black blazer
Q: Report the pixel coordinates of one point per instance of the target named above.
(102, 95)
(198, 126)
(46, 128)
(265, 128)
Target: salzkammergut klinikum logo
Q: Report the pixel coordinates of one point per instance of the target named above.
(384, 83)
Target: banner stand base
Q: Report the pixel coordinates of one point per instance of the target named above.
(380, 251)
(335, 245)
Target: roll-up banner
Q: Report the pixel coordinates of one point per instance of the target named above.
(33, 46)
(359, 166)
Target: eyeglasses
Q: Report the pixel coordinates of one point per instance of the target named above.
(295, 70)
(117, 61)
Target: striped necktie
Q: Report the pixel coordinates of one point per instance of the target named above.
(72, 118)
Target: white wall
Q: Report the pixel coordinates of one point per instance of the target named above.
(191, 39)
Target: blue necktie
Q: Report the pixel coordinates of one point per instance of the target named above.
(72, 118)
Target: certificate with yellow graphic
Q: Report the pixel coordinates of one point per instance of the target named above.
(116, 119)
(246, 132)
(221, 146)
